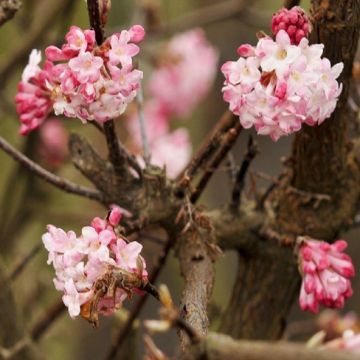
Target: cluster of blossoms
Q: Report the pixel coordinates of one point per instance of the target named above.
(326, 273)
(80, 261)
(276, 86)
(293, 21)
(81, 79)
(181, 80)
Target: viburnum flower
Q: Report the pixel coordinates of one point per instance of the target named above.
(80, 261)
(294, 21)
(81, 79)
(277, 86)
(33, 98)
(326, 273)
(186, 71)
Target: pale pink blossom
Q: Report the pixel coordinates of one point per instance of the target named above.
(86, 67)
(121, 51)
(326, 273)
(185, 76)
(276, 86)
(79, 261)
(79, 80)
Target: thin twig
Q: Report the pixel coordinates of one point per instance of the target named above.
(228, 142)
(120, 338)
(145, 143)
(206, 150)
(48, 176)
(241, 174)
(116, 156)
(95, 20)
(24, 262)
(53, 313)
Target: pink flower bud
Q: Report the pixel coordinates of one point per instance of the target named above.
(326, 272)
(294, 21)
(115, 216)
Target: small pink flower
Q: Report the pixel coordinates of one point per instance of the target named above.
(86, 67)
(326, 271)
(121, 51)
(115, 216)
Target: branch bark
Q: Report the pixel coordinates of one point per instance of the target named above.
(49, 177)
(222, 347)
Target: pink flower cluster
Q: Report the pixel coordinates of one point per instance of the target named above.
(184, 75)
(81, 79)
(277, 87)
(80, 260)
(294, 21)
(33, 98)
(326, 273)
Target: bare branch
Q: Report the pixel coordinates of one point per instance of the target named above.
(49, 177)
(207, 149)
(222, 347)
(51, 314)
(24, 262)
(227, 143)
(251, 152)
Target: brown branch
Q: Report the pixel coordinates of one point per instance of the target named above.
(8, 9)
(51, 314)
(95, 20)
(49, 177)
(221, 347)
(251, 152)
(197, 269)
(291, 3)
(207, 149)
(24, 262)
(227, 143)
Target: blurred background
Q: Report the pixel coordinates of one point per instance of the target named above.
(28, 204)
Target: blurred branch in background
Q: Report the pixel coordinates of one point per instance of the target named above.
(8, 9)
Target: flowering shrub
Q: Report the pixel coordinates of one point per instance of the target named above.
(277, 87)
(81, 79)
(326, 273)
(79, 261)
